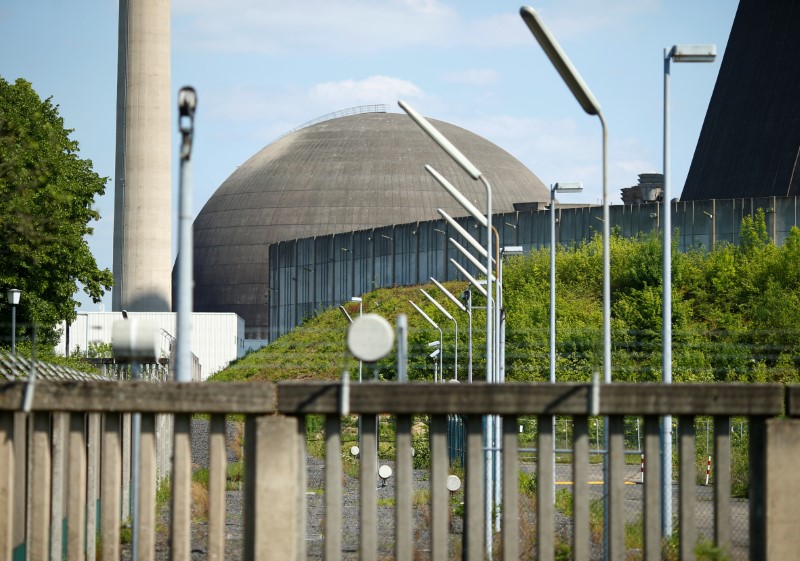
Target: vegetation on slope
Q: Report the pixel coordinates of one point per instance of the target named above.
(735, 312)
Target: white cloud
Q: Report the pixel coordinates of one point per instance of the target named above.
(375, 89)
(472, 77)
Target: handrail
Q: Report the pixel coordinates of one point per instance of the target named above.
(357, 110)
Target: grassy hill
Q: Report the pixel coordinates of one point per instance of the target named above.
(735, 318)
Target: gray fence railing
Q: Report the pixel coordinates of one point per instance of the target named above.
(275, 458)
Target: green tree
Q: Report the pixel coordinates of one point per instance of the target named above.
(47, 195)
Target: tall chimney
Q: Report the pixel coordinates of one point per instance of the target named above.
(143, 185)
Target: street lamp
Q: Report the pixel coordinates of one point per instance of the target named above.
(360, 313)
(678, 53)
(589, 104)
(476, 174)
(505, 251)
(13, 295)
(449, 316)
(439, 329)
(561, 188)
(463, 308)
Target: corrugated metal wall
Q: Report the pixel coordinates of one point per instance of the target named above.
(312, 274)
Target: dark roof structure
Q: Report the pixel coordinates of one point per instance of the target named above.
(749, 145)
(345, 174)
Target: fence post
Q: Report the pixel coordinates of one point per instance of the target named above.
(272, 494)
(6, 483)
(782, 488)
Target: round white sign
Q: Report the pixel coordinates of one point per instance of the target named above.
(453, 483)
(384, 472)
(370, 338)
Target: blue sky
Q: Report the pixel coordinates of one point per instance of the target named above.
(261, 67)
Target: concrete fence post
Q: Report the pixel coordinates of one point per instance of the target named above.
(782, 488)
(273, 497)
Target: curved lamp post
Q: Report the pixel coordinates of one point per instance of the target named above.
(13, 295)
(476, 174)
(590, 105)
(678, 53)
(436, 327)
(449, 316)
(463, 308)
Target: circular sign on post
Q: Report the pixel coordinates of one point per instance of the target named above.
(384, 472)
(453, 483)
(370, 338)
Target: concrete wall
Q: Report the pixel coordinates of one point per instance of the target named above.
(312, 274)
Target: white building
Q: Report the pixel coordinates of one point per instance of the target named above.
(217, 338)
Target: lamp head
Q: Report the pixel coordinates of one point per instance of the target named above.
(693, 53)
(441, 140)
(568, 187)
(13, 295)
(560, 60)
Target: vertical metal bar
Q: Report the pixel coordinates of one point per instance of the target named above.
(510, 489)
(722, 482)
(404, 490)
(440, 520)
(181, 531)
(369, 489)
(616, 487)
(76, 488)
(757, 483)
(652, 489)
(545, 480)
(333, 488)
(146, 526)
(580, 490)
(111, 476)
(6, 484)
(217, 466)
(686, 487)
(473, 491)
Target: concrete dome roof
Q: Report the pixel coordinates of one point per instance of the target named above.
(340, 175)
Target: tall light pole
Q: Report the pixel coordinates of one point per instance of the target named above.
(463, 308)
(560, 188)
(13, 295)
(187, 105)
(476, 174)
(590, 105)
(449, 316)
(436, 327)
(678, 53)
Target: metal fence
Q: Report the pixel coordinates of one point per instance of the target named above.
(309, 275)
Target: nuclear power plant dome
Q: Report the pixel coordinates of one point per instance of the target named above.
(342, 174)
